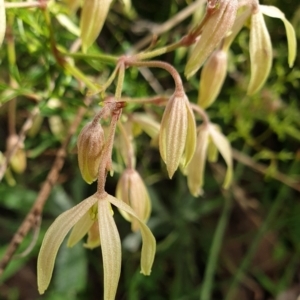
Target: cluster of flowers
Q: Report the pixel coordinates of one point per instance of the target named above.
(181, 143)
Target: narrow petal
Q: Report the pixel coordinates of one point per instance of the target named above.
(93, 239)
(191, 137)
(274, 12)
(80, 229)
(111, 249)
(195, 170)
(2, 21)
(260, 53)
(224, 148)
(92, 18)
(149, 244)
(54, 237)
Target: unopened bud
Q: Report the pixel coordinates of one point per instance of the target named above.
(92, 18)
(220, 18)
(212, 78)
(177, 136)
(90, 144)
(132, 190)
(18, 161)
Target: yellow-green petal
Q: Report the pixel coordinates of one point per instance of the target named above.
(274, 12)
(195, 170)
(54, 237)
(149, 244)
(260, 53)
(80, 229)
(224, 148)
(111, 249)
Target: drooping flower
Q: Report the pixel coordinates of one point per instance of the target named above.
(261, 46)
(219, 19)
(132, 190)
(212, 78)
(208, 134)
(82, 218)
(177, 136)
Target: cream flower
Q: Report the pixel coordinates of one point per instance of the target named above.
(82, 218)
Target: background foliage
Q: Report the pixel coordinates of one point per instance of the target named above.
(256, 221)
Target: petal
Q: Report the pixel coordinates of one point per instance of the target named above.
(111, 249)
(195, 170)
(260, 53)
(80, 229)
(215, 29)
(93, 239)
(191, 137)
(149, 244)
(274, 12)
(224, 148)
(2, 21)
(92, 18)
(55, 236)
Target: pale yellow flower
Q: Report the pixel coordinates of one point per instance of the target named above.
(132, 190)
(2, 21)
(177, 136)
(82, 217)
(208, 134)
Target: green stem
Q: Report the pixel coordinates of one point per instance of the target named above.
(255, 243)
(157, 52)
(120, 82)
(206, 290)
(101, 57)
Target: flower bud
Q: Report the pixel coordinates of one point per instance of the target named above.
(212, 78)
(90, 144)
(260, 49)
(132, 190)
(220, 17)
(2, 21)
(18, 161)
(92, 18)
(177, 136)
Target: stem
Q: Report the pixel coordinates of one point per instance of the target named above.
(206, 291)
(201, 112)
(158, 64)
(105, 165)
(159, 51)
(120, 82)
(101, 57)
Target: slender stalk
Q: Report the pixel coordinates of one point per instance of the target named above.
(158, 64)
(30, 4)
(200, 111)
(211, 267)
(121, 75)
(100, 57)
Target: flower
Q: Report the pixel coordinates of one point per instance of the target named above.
(261, 46)
(177, 136)
(92, 18)
(218, 21)
(90, 143)
(82, 218)
(212, 78)
(209, 138)
(132, 190)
